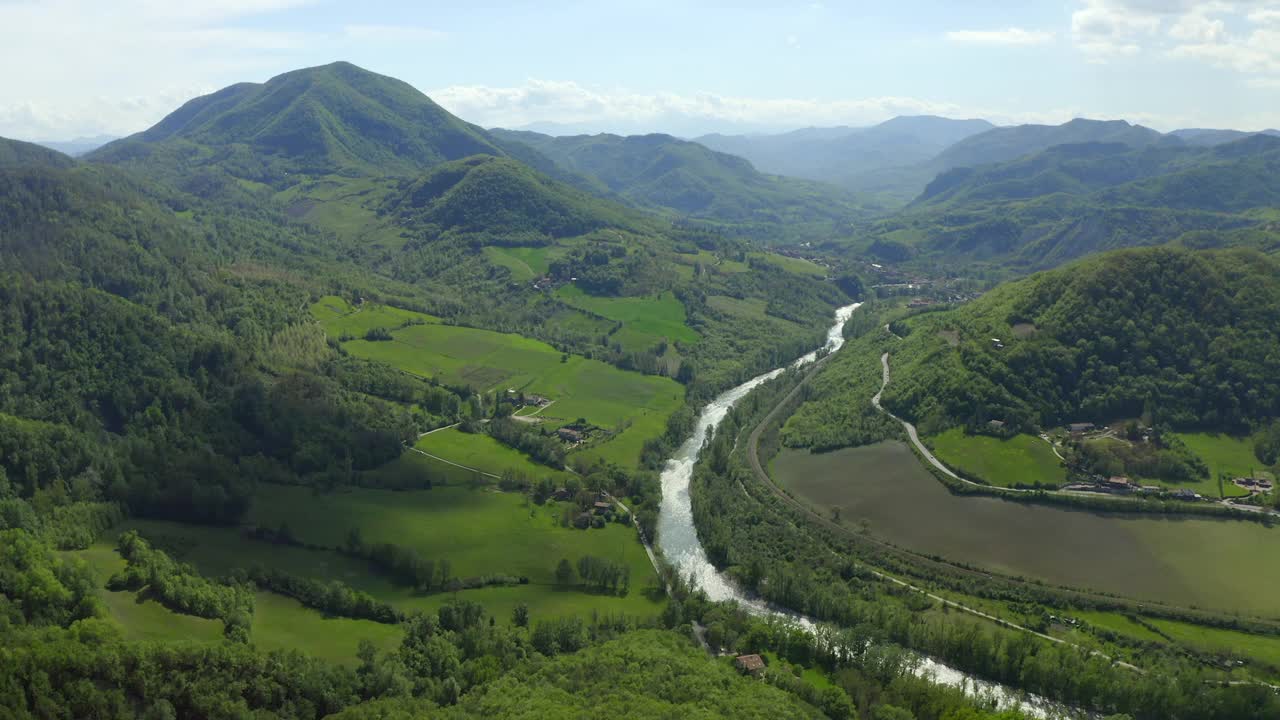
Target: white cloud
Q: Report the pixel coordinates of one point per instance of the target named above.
(1008, 36)
(1197, 27)
(1238, 35)
(1108, 28)
(573, 107)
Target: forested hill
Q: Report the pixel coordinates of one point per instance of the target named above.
(1228, 177)
(1185, 338)
(686, 179)
(326, 119)
(1071, 200)
(1006, 143)
(15, 152)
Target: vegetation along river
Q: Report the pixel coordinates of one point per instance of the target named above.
(678, 538)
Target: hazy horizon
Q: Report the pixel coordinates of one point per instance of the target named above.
(667, 67)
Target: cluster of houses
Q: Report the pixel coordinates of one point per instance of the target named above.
(1255, 486)
(1122, 485)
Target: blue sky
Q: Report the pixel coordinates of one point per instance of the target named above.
(80, 68)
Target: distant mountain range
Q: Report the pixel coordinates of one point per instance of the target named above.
(1071, 200)
(687, 179)
(860, 159)
(78, 146)
(893, 162)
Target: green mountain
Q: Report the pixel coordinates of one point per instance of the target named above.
(17, 153)
(685, 179)
(1007, 143)
(1228, 177)
(318, 120)
(1044, 209)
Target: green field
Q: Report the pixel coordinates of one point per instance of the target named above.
(478, 531)
(1263, 649)
(799, 266)
(1019, 460)
(484, 453)
(635, 406)
(752, 308)
(143, 619)
(1183, 561)
(279, 623)
(657, 317)
(282, 623)
(339, 317)
(1223, 454)
(1119, 624)
(525, 263)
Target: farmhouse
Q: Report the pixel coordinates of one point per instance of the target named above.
(995, 424)
(1080, 427)
(749, 664)
(1118, 483)
(569, 435)
(601, 507)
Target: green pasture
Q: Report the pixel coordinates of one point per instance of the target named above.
(799, 266)
(1264, 649)
(478, 531)
(1019, 460)
(751, 308)
(1119, 624)
(480, 451)
(1224, 454)
(142, 619)
(633, 405)
(339, 317)
(282, 623)
(525, 263)
(662, 316)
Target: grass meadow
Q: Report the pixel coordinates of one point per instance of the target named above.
(632, 405)
(478, 531)
(485, 453)
(651, 318)
(1019, 460)
(1224, 454)
(1186, 561)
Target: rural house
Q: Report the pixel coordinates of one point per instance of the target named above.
(749, 664)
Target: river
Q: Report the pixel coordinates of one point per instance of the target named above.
(678, 538)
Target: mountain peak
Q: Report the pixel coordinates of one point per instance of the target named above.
(320, 119)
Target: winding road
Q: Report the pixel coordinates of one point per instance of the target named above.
(927, 455)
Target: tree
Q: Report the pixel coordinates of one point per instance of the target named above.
(520, 615)
(564, 573)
